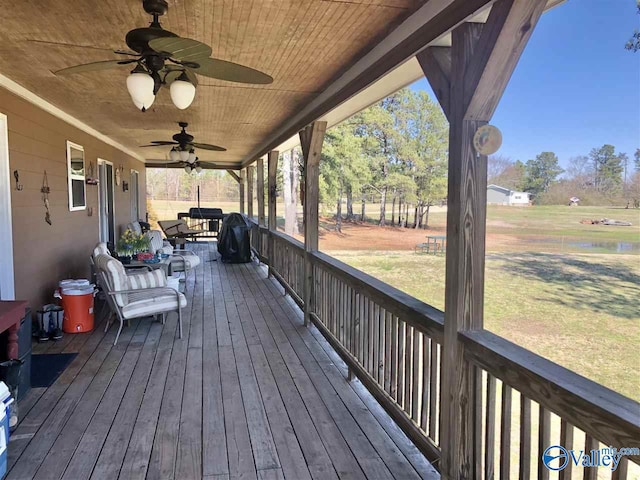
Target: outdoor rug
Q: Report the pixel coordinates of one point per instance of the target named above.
(47, 367)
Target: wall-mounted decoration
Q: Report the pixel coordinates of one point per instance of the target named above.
(118, 174)
(92, 179)
(16, 175)
(76, 176)
(125, 186)
(45, 197)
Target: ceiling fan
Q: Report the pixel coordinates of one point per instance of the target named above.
(183, 153)
(163, 58)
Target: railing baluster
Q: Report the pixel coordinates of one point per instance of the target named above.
(544, 437)
(477, 421)
(505, 433)
(490, 429)
(620, 473)
(566, 440)
(434, 383)
(416, 377)
(381, 332)
(401, 369)
(387, 352)
(525, 438)
(426, 381)
(590, 443)
(408, 344)
(394, 358)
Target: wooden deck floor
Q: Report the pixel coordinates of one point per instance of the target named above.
(248, 392)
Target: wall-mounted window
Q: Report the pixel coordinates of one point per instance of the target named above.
(76, 176)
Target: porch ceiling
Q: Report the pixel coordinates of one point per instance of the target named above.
(304, 45)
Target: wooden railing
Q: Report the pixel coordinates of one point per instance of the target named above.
(288, 264)
(525, 403)
(259, 240)
(392, 342)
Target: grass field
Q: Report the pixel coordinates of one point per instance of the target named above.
(565, 290)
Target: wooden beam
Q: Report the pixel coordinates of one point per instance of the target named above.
(311, 139)
(432, 21)
(464, 281)
(272, 164)
(504, 37)
(241, 183)
(250, 191)
(260, 190)
(436, 65)
(234, 175)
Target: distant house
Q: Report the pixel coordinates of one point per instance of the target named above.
(497, 195)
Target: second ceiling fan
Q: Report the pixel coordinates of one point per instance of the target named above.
(164, 58)
(183, 153)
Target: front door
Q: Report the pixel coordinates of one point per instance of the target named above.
(105, 202)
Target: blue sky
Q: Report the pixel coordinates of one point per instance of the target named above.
(575, 87)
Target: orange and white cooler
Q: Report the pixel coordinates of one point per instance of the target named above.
(77, 302)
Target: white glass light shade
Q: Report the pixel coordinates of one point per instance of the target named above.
(187, 169)
(198, 169)
(184, 155)
(140, 86)
(144, 105)
(192, 156)
(182, 93)
(174, 155)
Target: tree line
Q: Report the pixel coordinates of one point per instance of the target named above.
(602, 177)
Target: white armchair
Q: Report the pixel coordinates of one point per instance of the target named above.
(138, 295)
(182, 261)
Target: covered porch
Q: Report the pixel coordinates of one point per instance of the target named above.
(248, 392)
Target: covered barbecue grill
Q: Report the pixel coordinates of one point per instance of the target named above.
(234, 240)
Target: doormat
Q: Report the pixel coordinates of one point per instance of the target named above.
(47, 367)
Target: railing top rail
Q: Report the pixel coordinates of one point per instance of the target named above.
(608, 416)
(422, 316)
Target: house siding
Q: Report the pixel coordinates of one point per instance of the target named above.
(43, 254)
(497, 197)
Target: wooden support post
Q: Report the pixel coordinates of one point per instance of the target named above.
(469, 79)
(311, 139)
(273, 225)
(241, 183)
(250, 191)
(260, 190)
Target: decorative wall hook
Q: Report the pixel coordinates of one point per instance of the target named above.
(16, 175)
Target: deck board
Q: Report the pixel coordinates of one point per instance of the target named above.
(248, 392)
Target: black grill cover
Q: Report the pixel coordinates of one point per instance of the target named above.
(234, 240)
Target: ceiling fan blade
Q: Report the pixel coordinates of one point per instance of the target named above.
(181, 48)
(159, 143)
(94, 66)
(159, 164)
(206, 146)
(174, 73)
(232, 72)
(207, 165)
(124, 52)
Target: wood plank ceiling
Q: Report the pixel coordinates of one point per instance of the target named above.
(303, 44)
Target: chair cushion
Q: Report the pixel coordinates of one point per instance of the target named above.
(101, 249)
(116, 275)
(155, 240)
(177, 263)
(147, 303)
(152, 279)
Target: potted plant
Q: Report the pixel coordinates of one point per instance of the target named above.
(129, 244)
